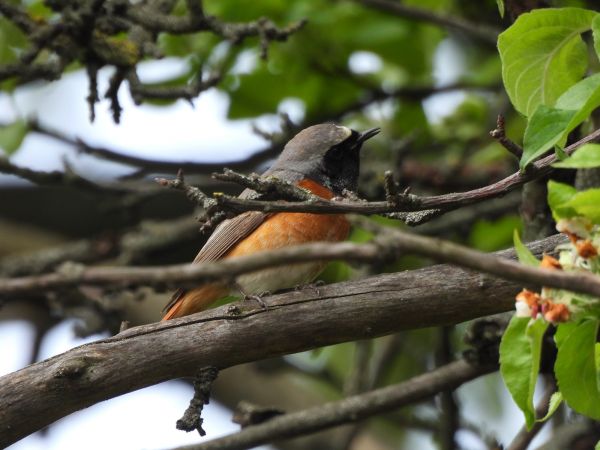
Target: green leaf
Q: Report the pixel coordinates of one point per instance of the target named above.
(520, 351)
(583, 97)
(562, 332)
(555, 402)
(38, 10)
(12, 41)
(587, 203)
(596, 33)
(560, 153)
(493, 235)
(575, 367)
(586, 157)
(523, 253)
(544, 130)
(597, 356)
(597, 446)
(335, 272)
(559, 194)
(551, 126)
(500, 8)
(543, 55)
(12, 135)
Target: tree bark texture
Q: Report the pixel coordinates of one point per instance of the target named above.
(42, 393)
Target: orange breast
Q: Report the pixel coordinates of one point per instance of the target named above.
(277, 231)
(284, 229)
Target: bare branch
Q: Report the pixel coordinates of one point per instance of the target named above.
(405, 202)
(151, 165)
(85, 32)
(385, 248)
(192, 419)
(128, 248)
(51, 178)
(193, 193)
(151, 20)
(139, 91)
(350, 409)
(48, 71)
(41, 393)
(499, 133)
(271, 187)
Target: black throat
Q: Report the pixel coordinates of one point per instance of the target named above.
(341, 165)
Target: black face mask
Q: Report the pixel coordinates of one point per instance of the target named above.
(341, 163)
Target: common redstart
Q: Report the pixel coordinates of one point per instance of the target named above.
(323, 159)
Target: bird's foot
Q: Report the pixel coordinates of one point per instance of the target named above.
(314, 286)
(257, 298)
(254, 297)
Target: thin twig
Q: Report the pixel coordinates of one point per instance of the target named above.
(269, 186)
(151, 165)
(191, 419)
(350, 409)
(128, 248)
(405, 202)
(54, 178)
(499, 133)
(86, 31)
(385, 248)
(193, 193)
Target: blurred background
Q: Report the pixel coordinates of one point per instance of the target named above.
(427, 73)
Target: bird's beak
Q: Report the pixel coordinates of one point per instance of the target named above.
(368, 134)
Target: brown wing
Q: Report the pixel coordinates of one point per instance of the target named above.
(229, 233)
(225, 236)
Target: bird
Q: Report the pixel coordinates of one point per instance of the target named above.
(324, 159)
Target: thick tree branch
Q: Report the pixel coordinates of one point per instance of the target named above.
(350, 409)
(41, 393)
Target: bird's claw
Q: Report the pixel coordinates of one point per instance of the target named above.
(257, 298)
(314, 286)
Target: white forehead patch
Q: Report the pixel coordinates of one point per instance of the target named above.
(347, 131)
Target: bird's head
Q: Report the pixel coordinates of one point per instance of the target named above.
(326, 153)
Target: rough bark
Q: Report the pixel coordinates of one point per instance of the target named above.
(40, 394)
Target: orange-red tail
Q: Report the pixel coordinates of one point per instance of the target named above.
(194, 300)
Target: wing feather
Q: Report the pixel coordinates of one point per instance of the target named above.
(229, 233)
(226, 235)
